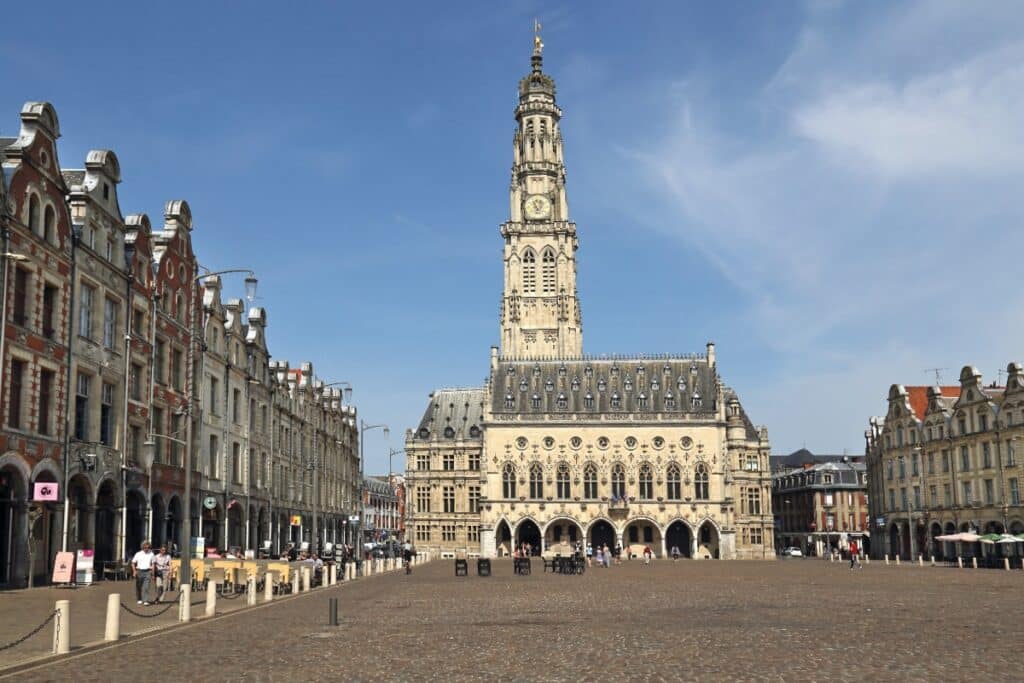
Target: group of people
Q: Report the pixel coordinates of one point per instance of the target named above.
(149, 568)
(603, 555)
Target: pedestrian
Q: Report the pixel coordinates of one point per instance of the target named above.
(617, 553)
(607, 556)
(675, 553)
(162, 570)
(590, 555)
(647, 554)
(854, 558)
(142, 569)
(600, 557)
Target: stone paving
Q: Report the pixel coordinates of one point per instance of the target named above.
(690, 620)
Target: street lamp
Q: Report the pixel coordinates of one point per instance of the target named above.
(185, 533)
(363, 428)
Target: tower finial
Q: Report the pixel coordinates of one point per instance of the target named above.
(538, 45)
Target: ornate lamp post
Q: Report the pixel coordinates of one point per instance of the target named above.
(363, 428)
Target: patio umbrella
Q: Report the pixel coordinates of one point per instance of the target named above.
(990, 538)
(1009, 538)
(948, 538)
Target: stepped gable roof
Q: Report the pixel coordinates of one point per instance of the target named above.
(645, 384)
(453, 415)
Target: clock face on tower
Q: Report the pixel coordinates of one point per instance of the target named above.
(537, 208)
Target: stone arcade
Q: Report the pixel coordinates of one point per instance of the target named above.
(559, 447)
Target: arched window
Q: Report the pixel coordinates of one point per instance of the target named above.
(535, 400)
(590, 481)
(616, 401)
(508, 481)
(49, 221)
(536, 481)
(548, 279)
(646, 482)
(670, 401)
(618, 481)
(33, 213)
(588, 400)
(563, 402)
(562, 480)
(510, 401)
(641, 400)
(700, 482)
(529, 272)
(675, 491)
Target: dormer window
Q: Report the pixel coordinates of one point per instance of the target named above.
(693, 368)
(575, 385)
(563, 403)
(615, 371)
(695, 401)
(654, 385)
(601, 384)
(628, 385)
(588, 371)
(561, 371)
(535, 401)
(510, 401)
(616, 401)
(681, 383)
(449, 433)
(641, 400)
(549, 386)
(536, 370)
(511, 370)
(523, 386)
(670, 401)
(588, 400)
(640, 370)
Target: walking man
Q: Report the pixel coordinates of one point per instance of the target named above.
(142, 570)
(162, 570)
(854, 558)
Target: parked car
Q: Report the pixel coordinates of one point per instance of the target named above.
(792, 551)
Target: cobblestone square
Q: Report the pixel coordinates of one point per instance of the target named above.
(786, 620)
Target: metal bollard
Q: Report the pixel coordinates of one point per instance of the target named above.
(250, 597)
(185, 602)
(305, 579)
(211, 598)
(1006, 563)
(886, 560)
(974, 562)
(112, 631)
(897, 560)
(959, 563)
(332, 612)
(62, 628)
(268, 586)
(920, 560)
(334, 574)
(933, 560)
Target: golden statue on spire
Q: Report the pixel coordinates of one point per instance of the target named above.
(538, 46)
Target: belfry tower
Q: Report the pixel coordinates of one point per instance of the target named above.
(540, 311)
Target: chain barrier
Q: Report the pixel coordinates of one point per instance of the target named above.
(53, 615)
(235, 596)
(150, 615)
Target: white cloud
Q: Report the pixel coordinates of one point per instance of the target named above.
(966, 119)
(867, 222)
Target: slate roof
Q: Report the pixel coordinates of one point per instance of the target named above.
(7, 142)
(919, 397)
(453, 414)
(642, 385)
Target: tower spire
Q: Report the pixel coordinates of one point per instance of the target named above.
(538, 48)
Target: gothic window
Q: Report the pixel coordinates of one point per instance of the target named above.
(588, 400)
(700, 482)
(510, 401)
(618, 481)
(670, 401)
(508, 481)
(548, 271)
(562, 479)
(590, 481)
(616, 401)
(563, 403)
(529, 272)
(646, 482)
(536, 481)
(674, 491)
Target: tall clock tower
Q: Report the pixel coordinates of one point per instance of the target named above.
(540, 310)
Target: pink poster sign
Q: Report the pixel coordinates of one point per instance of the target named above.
(45, 490)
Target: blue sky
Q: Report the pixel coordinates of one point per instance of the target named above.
(828, 190)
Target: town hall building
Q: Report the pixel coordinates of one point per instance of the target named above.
(559, 448)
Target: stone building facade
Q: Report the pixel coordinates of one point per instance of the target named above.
(820, 502)
(101, 316)
(946, 459)
(559, 448)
